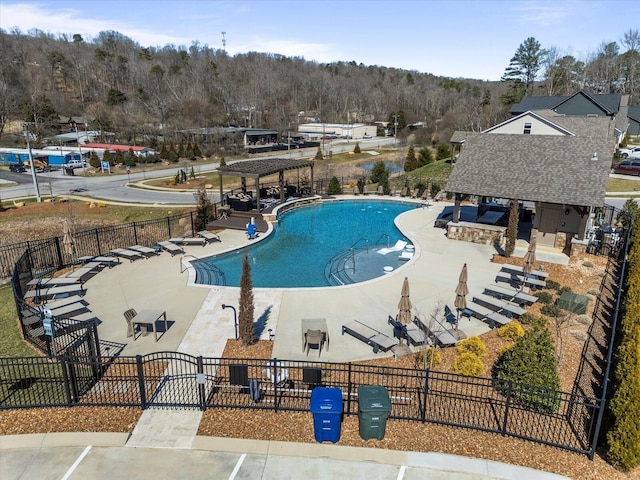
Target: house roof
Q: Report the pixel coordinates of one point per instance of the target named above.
(545, 168)
(263, 167)
(116, 147)
(634, 113)
(579, 125)
(609, 103)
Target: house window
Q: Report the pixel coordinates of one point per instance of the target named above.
(527, 129)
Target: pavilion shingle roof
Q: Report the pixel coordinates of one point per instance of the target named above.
(263, 167)
(545, 168)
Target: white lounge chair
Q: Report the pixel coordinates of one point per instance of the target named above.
(209, 236)
(146, 251)
(126, 253)
(400, 244)
(188, 241)
(172, 248)
(406, 256)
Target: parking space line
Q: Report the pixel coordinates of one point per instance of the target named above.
(401, 472)
(76, 463)
(237, 467)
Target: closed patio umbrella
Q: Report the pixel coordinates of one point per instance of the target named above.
(529, 260)
(404, 305)
(67, 240)
(461, 293)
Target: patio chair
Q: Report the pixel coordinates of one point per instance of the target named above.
(172, 248)
(414, 194)
(209, 236)
(129, 316)
(380, 190)
(314, 338)
(404, 191)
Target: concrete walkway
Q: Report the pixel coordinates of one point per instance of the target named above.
(102, 456)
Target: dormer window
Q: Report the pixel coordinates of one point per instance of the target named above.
(527, 129)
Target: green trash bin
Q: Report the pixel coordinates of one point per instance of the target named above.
(374, 406)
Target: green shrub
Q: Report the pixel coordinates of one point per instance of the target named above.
(531, 364)
(472, 345)
(551, 310)
(319, 155)
(533, 320)
(426, 357)
(334, 187)
(356, 149)
(552, 285)
(544, 297)
(511, 331)
(563, 289)
(468, 364)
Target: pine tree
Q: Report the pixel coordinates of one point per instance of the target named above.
(223, 162)
(356, 149)
(425, 157)
(119, 157)
(246, 310)
(522, 70)
(181, 152)
(379, 173)
(532, 367)
(107, 157)
(334, 186)
(204, 211)
(130, 159)
(196, 150)
(411, 162)
(94, 160)
(512, 230)
(443, 151)
(318, 155)
(164, 152)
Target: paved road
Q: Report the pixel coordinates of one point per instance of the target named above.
(114, 187)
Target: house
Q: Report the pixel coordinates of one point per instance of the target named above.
(634, 120)
(582, 103)
(558, 163)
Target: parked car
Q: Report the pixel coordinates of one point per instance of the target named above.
(76, 164)
(627, 167)
(17, 167)
(630, 152)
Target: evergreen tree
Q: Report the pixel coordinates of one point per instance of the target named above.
(119, 158)
(334, 186)
(356, 149)
(318, 155)
(131, 158)
(443, 151)
(223, 162)
(164, 153)
(425, 157)
(512, 229)
(107, 157)
(172, 155)
(532, 367)
(189, 151)
(522, 70)
(94, 160)
(192, 174)
(196, 150)
(379, 172)
(411, 162)
(204, 211)
(181, 151)
(246, 310)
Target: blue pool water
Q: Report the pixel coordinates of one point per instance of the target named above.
(311, 247)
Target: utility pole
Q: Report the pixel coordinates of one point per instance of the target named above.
(27, 134)
(224, 41)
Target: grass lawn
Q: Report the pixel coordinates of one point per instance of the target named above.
(11, 342)
(623, 185)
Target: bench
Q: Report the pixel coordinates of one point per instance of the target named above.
(370, 336)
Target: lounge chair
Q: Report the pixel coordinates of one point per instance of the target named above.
(511, 294)
(519, 271)
(131, 255)
(69, 310)
(209, 236)
(404, 191)
(88, 269)
(380, 190)
(172, 248)
(414, 194)
(39, 294)
(52, 304)
(103, 259)
(146, 251)
(48, 282)
(400, 244)
(410, 332)
(483, 313)
(406, 256)
(499, 305)
(370, 336)
(189, 241)
(514, 279)
(442, 335)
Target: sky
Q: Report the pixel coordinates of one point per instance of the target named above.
(455, 38)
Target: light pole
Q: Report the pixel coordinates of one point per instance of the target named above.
(33, 167)
(235, 317)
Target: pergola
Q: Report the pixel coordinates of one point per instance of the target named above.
(261, 168)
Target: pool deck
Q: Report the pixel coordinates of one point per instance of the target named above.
(199, 326)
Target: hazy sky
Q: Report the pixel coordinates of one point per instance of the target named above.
(456, 38)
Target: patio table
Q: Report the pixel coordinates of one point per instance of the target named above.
(150, 317)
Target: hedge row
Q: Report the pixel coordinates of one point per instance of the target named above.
(624, 437)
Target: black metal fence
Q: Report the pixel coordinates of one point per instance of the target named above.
(180, 380)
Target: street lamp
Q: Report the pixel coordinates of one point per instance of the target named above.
(235, 317)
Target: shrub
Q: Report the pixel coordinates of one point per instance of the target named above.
(426, 357)
(356, 149)
(468, 364)
(531, 364)
(533, 320)
(552, 285)
(472, 345)
(319, 155)
(334, 187)
(511, 331)
(588, 264)
(551, 310)
(563, 289)
(544, 297)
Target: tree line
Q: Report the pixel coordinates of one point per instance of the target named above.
(140, 92)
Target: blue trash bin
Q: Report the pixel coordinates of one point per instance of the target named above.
(326, 407)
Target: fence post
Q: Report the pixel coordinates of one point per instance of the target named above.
(143, 392)
(65, 379)
(58, 251)
(506, 407)
(169, 227)
(349, 389)
(200, 379)
(135, 233)
(423, 409)
(192, 226)
(276, 375)
(98, 242)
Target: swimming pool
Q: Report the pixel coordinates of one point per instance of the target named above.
(319, 245)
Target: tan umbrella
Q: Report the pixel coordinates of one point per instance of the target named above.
(404, 305)
(529, 260)
(67, 239)
(461, 293)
